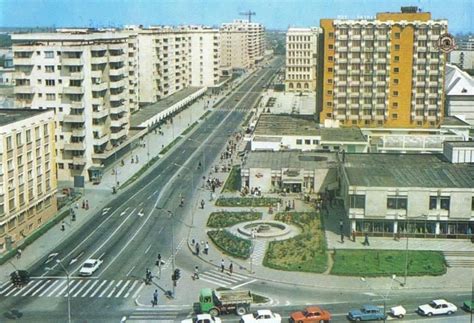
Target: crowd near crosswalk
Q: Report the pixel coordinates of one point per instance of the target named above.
(58, 287)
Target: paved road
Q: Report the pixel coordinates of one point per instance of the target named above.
(131, 230)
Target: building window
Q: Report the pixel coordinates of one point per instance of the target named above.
(307, 142)
(396, 70)
(397, 203)
(397, 35)
(395, 93)
(18, 140)
(357, 201)
(472, 204)
(445, 202)
(49, 54)
(433, 202)
(394, 116)
(299, 141)
(397, 47)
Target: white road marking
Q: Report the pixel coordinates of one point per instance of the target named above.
(79, 282)
(114, 289)
(65, 288)
(105, 290)
(32, 287)
(41, 287)
(57, 287)
(138, 290)
(130, 289)
(4, 284)
(148, 249)
(140, 213)
(13, 290)
(243, 284)
(4, 290)
(23, 288)
(130, 271)
(105, 210)
(123, 288)
(90, 288)
(82, 288)
(49, 287)
(100, 257)
(98, 288)
(213, 282)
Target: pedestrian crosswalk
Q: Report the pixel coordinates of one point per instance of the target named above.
(79, 288)
(159, 313)
(223, 279)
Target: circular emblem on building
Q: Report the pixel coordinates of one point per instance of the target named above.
(446, 43)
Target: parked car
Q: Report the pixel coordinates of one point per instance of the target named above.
(437, 307)
(202, 318)
(468, 306)
(262, 316)
(366, 313)
(89, 267)
(312, 314)
(398, 311)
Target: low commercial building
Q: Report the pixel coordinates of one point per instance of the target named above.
(459, 87)
(27, 173)
(425, 195)
(288, 131)
(289, 171)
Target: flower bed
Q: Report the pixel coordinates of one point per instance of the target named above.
(230, 244)
(305, 252)
(233, 182)
(226, 219)
(247, 201)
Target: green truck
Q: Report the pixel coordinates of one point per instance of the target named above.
(223, 302)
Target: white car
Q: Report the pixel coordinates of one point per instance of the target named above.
(437, 307)
(89, 267)
(203, 318)
(262, 316)
(398, 311)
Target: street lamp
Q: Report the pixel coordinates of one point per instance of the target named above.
(380, 295)
(171, 214)
(58, 261)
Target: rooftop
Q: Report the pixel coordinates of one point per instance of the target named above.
(303, 125)
(454, 121)
(469, 144)
(458, 82)
(8, 116)
(293, 159)
(151, 110)
(407, 170)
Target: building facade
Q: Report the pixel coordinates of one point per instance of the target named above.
(27, 173)
(462, 58)
(301, 59)
(459, 94)
(385, 72)
(84, 77)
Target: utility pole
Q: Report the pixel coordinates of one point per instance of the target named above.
(249, 14)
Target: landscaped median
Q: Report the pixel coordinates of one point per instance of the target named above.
(247, 201)
(305, 252)
(224, 219)
(230, 244)
(362, 262)
(233, 182)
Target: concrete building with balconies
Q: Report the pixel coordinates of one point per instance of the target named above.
(301, 59)
(84, 76)
(383, 72)
(27, 173)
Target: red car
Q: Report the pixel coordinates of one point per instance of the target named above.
(312, 314)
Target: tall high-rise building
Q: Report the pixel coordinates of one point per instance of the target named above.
(385, 72)
(27, 173)
(89, 79)
(242, 44)
(301, 59)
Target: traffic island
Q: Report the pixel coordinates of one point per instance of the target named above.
(230, 244)
(224, 219)
(305, 252)
(375, 263)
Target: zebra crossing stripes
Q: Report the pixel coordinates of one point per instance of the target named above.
(159, 313)
(52, 287)
(223, 279)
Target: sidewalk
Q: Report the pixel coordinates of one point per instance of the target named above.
(98, 195)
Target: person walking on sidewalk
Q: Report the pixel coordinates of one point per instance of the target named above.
(222, 266)
(231, 268)
(18, 253)
(196, 273)
(197, 248)
(202, 204)
(206, 248)
(155, 298)
(366, 239)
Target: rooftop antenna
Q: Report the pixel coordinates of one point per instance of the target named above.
(249, 14)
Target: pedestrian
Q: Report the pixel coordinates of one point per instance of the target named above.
(155, 298)
(231, 268)
(196, 273)
(197, 248)
(87, 204)
(136, 158)
(222, 265)
(131, 161)
(202, 204)
(366, 239)
(206, 248)
(18, 253)
(63, 226)
(353, 236)
(77, 205)
(83, 204)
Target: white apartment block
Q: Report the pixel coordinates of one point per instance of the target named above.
(242, 44)
(89, 79)
(171, 59)
(462, 58)
(27, 173)
(301, 59)
(459, 94)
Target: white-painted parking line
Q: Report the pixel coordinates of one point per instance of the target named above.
(123, 288)
(105, 290)
(49, 287)
(23, 288)
(46, 283)
(130, 289)
(57, 287)
(82, 288)
(114, 289)
(96, 291)
(138, 290)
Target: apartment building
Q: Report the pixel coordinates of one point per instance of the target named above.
(171, 59)
(242, 44)
(27, 173)
(301, 59)
(88, 78)
(466, 43)
(385, 72)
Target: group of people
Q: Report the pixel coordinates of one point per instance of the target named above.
(197, 247)
(212, 183)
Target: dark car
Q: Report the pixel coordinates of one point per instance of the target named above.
(468, 306)
(366, 313)
(20, 278)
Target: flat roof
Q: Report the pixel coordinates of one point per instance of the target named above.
(8, 116)
(407, 170)
(453, 121)
(151, 110)
(293, 159)
(303, 125)
(469, 144)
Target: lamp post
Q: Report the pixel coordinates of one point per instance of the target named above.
(406, 247)
(380, 295)
(171, 214)
(58, 261)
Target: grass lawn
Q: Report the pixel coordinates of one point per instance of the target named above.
(305, 252)
(247, 201)
(387, 262)
(227, 219)
(230, 244)
(233, 182)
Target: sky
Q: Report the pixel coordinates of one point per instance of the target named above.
(274, 14)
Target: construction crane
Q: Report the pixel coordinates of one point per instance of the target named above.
(249, 14)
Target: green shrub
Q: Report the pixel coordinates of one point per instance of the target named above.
(226, 219)
(233, 182)
(247, 201)
(230, 244)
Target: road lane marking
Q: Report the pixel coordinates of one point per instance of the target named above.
(41, 287)
(214, 282)
(57, 287)
(79, 282)
(47, 289)
(147, 249)
(32, 287)
(82, 288)
(123, 288)
(130, 271)
(4, 284)
(140, 213)
(105, 290)
(114, 289)
(65, 288)
(90, 288)
(9, 286)
(105, 210)
(138, 290)
(130, 289)
(98, 288)
(22, 289)
(243, 284)
(13, 290)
